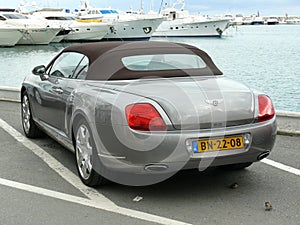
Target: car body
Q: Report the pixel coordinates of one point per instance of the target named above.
(138, 112)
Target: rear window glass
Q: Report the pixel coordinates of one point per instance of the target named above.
(163, 62)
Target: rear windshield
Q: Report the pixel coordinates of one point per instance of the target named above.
(163, 62)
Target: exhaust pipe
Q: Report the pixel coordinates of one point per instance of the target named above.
(153, 167)
(263, 155)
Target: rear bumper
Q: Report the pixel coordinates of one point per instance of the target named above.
(138, 155)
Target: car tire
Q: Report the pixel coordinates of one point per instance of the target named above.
(84, 145)
(238, 166)
(30, 128)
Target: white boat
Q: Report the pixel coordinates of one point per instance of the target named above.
(238, 19)
(9, 36)
(33, 31)
(125, 26)
(248, 21)
(293, 21)
(272, 21)
(258, 20)
(180, 23)
(95, 30)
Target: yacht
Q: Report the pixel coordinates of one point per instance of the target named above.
(9, 35)
(272, 21)
(258, 20)
(248, 21)
(33, 31)
(180, 23)
(95, 30)
(293, 21)
(125, 26)
(238, 20)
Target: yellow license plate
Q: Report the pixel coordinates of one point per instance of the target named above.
(218, 144)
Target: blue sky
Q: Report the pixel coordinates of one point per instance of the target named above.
(212, 7)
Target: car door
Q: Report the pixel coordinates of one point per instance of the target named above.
(54, 93)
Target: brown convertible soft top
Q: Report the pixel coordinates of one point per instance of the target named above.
(105, 59)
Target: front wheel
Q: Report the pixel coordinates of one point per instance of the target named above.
(30, 128)
(84, 145)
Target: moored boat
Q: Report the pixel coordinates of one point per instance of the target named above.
(125, 26)
(293, 21)
(33, 31)
(272, 21)
(258, 20)
(94, 30)
(9, 36)
(180, 23)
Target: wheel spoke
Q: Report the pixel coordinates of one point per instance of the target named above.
(26, 115)
(83, 151)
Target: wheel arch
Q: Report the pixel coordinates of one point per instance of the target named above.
(23, 89)
(78, 115)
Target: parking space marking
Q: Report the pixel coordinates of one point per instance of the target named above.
(95, 200)
(281, 166)
(89, 203)
(46, 192)
(54, 164)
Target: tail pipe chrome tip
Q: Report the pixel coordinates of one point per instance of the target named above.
(153, 167)
(263, 155)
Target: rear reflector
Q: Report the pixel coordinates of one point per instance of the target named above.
(266, 108)
(144, 117)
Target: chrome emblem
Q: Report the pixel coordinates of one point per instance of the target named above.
(214, 102)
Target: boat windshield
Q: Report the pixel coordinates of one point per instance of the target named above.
(108, 11)
(163, 62)
(14, 16)
(60, 18)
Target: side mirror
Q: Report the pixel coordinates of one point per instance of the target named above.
(39, 70)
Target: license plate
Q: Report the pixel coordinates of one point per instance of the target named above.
(218, 144)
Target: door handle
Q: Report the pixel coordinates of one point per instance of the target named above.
(58, 90)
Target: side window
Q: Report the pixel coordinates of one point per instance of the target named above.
(66, 64)
(82, 69)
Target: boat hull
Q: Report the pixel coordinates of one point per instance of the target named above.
(139, 29)
(88, 32)
(9, 36)
(181, 28)
(37, 36)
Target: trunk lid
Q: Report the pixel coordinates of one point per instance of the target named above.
(197, 102)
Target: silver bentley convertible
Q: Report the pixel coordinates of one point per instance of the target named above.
(138, 112)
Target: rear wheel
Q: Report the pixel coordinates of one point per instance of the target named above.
(238, 166)
(84, 145)
(30, 128)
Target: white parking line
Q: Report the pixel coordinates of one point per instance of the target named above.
(89, 203)
(281, 166)
(64, 172)
(97, 200)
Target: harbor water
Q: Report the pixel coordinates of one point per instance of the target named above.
(264, 57)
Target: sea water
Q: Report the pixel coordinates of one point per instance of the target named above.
(264, 57)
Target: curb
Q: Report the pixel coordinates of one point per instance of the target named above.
(280, 113)
(288, 132)
(10, 94)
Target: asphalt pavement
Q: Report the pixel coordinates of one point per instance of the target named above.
(39, 185)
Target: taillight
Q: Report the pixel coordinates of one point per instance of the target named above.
(144, 117)
(266, 108)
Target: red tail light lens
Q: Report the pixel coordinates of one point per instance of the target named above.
(266, 108)
(144, 117)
